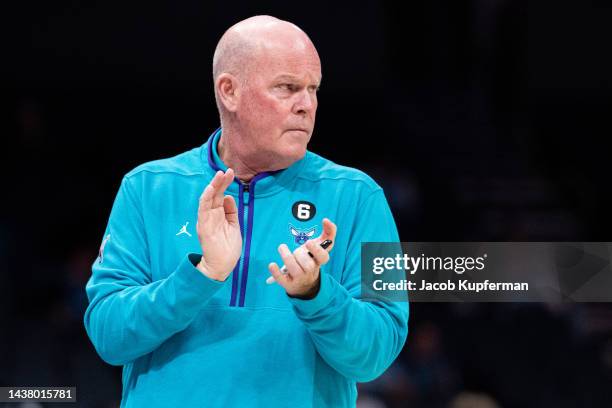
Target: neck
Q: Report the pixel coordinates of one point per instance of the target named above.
(232, 159)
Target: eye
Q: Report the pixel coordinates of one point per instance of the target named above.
(285, 87)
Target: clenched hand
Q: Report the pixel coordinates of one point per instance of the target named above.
(303, 271)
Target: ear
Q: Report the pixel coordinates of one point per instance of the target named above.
(227, 87)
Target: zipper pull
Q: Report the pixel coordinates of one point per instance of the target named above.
(245, 193)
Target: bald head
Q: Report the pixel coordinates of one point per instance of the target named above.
(244, 46)
(241, 44)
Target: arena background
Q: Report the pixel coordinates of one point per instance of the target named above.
(484, 120)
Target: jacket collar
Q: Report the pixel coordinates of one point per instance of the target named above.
(266, 183)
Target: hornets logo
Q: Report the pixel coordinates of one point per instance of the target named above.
(301, 236)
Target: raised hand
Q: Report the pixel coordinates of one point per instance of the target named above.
(218, 228)
(303, 271)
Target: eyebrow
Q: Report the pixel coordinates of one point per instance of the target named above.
(288, 77)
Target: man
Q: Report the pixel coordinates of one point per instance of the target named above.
(187, 311)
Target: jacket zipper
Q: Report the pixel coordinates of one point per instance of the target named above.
(243, 212)
(249, 211)
(236, 271)
(246, 211)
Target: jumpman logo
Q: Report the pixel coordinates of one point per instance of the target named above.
(184, 229)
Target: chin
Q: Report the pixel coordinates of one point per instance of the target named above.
(292, 154)
(297, 152)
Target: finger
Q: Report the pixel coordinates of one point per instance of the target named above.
(329, 232)
(306, 262)
(321, 256)
(217, 180)
(228, 178)
(225, 180)
(278, 276)
(206, 199)
(231, 212)
(293, 268)
(210, 189)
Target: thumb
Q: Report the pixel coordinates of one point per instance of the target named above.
(329, 232)
(231, 212)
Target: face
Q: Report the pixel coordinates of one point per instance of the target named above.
(278, 103)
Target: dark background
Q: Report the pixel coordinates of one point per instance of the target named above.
(484, 120)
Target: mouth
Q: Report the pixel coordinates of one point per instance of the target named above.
(297, 130)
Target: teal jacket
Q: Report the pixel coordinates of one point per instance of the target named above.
(185, 340)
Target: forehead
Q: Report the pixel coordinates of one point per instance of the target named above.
(287, 59)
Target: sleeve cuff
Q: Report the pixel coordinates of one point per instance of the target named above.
(190, 281)
(321, 301)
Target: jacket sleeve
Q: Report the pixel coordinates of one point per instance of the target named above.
(358, 338)
(129, 315)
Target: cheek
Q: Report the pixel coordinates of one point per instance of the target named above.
(268, 109)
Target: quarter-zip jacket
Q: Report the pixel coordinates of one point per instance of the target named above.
(186, 340)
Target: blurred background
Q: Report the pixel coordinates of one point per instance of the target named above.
(484, 120)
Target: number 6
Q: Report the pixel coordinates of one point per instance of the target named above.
(303, 211)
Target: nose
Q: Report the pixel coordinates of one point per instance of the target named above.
(306, 102)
